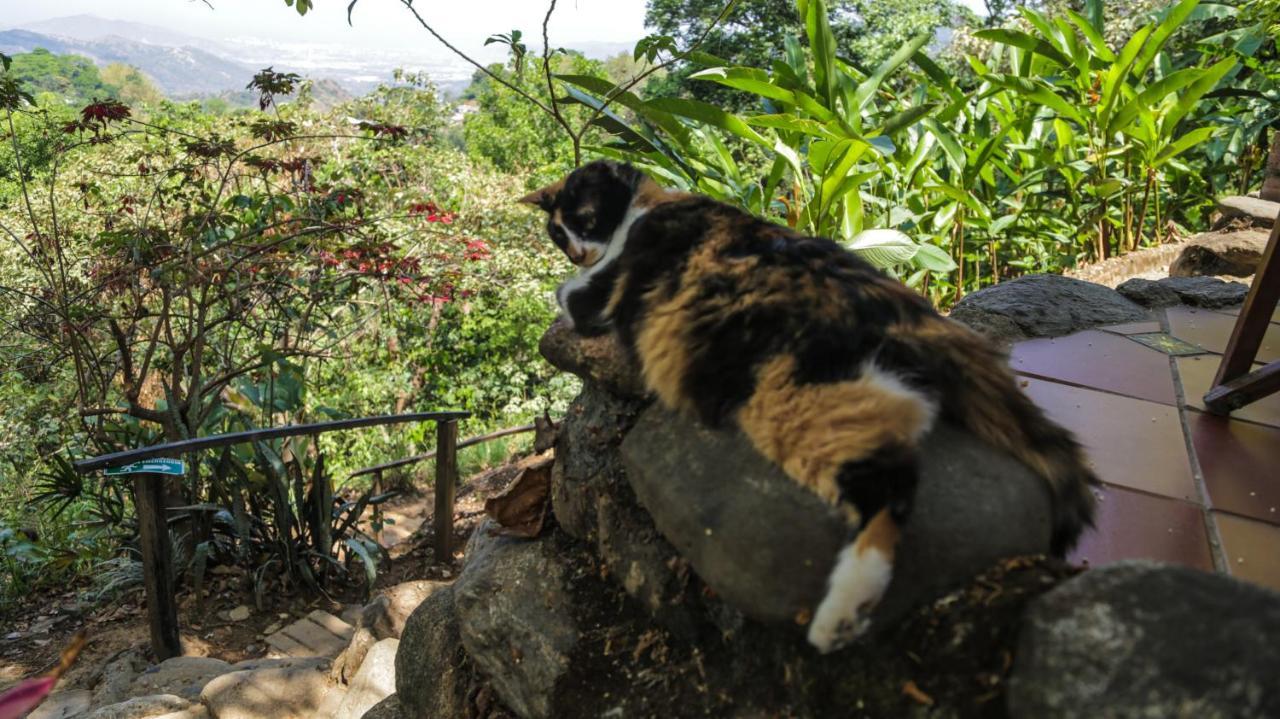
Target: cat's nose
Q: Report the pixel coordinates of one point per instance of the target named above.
(576, 255)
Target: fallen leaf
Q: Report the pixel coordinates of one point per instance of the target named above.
(521, 510)
(916, 694)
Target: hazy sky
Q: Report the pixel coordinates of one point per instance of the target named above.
(383, 24)
(377, 23)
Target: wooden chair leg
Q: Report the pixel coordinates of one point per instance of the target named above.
(1235, 386)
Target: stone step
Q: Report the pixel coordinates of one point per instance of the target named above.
(319, 634)
(1257, 212)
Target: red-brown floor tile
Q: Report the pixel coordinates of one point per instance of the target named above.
(1235, 311)
(1133, 328)
(1212, 330)
(1241, 465)
(1251, 549)
(1197, 375)
(1099, 360)
(1132, 525)
(1131, 442)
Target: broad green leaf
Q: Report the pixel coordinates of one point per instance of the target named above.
(1020, 39)
(1092, 34)
(1118, 75)
(710, 115)
(867, 90)
(1040, 92)
(883, 248)
(822, 46)
(933, 258)
(747, 79)
(1184, 143)
(1189, 98)
(1163, 31)
(1146, 100)
(790, 123)
(906, 118)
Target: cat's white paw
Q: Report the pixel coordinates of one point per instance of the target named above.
(855, 587)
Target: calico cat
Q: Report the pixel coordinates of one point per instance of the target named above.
(833, 370)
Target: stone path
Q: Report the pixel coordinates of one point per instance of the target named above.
(319, 634)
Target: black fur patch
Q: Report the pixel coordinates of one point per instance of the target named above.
(885, 479)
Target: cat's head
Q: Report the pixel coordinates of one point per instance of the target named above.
(587, 207)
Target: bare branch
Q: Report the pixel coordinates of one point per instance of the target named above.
(492, 75)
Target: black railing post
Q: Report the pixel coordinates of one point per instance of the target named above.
(446, 486)
(157, 565)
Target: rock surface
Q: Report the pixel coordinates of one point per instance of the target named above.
(431, 679)
(183, 676)
(1255, 211)
(595, 359)
(1043, 306)
(115, 683)
(1138, 639)
(1271, 183)
(382, 618)
(592, 501)
(766, 545)
(513, 617)
(145, 707)
(389, 708)
(1207, 292)
(1221, 253)
(63, 705)
(285, 689)
(375, 681)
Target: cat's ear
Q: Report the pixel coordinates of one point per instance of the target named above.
(545, 197)
(627, 174)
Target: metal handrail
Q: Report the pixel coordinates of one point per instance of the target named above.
(116, 459)
(377, 469)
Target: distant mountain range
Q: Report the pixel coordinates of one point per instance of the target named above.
(179, 71)
(185, 66)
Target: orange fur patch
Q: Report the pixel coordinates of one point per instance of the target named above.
(811, 431)
(881, 534)
(650, 194)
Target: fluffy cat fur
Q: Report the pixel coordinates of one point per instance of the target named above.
(832, 369)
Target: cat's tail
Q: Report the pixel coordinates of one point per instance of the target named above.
(977, 391)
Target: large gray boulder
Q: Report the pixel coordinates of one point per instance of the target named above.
(591, 497)
(1221, 253)
(513, 617)
(1139, 639)
(593, 502)
(63, 705)
(382, 618)
(115, 680)
(766, 545)
(1043, 306)
(1253, 211)
(279, 689)
(182, 676)
(375, 681)
(389, 708)
(431, 673)
(594, 359)
(1207, 292)
(144, 707)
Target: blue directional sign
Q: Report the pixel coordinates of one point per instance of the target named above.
(175, 467)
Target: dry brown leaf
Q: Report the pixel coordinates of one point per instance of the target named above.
(916, 693)
(521, 510)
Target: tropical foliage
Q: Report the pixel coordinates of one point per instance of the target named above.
(1059, 150)
(169, 272)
